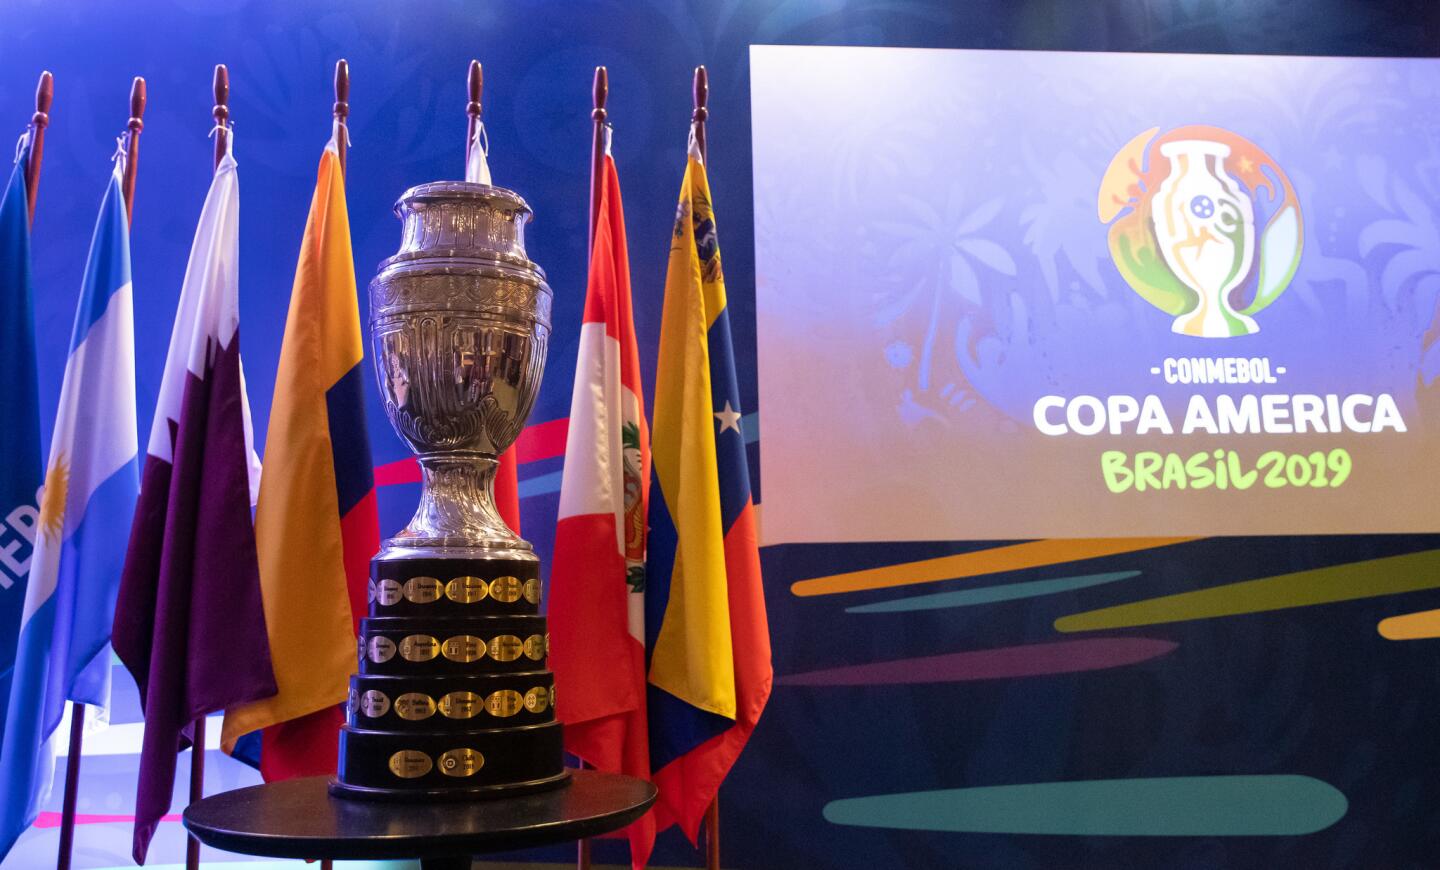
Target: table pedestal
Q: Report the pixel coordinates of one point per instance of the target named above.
(299, 819)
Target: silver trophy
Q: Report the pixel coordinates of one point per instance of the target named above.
(460, 320)
(452, 699)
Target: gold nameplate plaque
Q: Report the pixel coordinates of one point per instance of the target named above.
(461, 762)
(506, 647)
(382, 649)
(387, 592)
(414, 706)
(461, 705)
(537, 700)
(535, 647)
(463, 648)
(466, 590)
(504, 703)
(506, 590)
(423, 590)
(410, 764)
(419, 648)
(374, 703)
(532, 591)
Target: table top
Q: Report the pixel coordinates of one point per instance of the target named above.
(299, 819)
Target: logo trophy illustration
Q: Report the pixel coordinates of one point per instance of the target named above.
(1183, 208)
(453, 699)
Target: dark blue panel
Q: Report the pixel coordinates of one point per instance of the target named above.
(349, 439)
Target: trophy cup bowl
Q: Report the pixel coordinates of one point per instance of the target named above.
(460, 320)
(453, 699)
(1205, 225)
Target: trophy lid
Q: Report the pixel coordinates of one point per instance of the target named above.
(438, 191)
(453, 223)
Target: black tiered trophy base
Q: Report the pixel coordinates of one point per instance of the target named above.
(453, 700)
(513, 758)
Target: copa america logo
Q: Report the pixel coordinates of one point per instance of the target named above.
(1183, 207)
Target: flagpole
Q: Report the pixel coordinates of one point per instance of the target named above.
(72, 787)
(472, 109)
(342, 140)
(342, 109)
(44, 94)
(221, 113)
(701, 113)
(600, 92)
(132, 145)
(698, 117)
(597, 147)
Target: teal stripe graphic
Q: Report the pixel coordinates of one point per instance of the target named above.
(991, 594)
(1198, 806)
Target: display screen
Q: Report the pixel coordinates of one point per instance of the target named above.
(1009, 295)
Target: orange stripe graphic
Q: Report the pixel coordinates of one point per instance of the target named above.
(1411, 626)
(1012, 557)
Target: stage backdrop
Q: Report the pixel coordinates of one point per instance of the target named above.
(1075, 294)
(983, 698)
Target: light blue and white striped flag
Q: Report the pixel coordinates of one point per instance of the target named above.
(91, 484)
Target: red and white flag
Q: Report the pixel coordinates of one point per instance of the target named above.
(597, 576)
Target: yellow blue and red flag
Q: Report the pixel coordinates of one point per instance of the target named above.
(316, 523)
(706, 634)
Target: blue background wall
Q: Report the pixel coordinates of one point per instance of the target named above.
(1311, 691)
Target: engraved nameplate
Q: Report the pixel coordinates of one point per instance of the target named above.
(506, 590)
(461, 762)
(410, 764)
(466, 590)
(419, 648)
(461, 705)
(463, 648)
(423, 590)
(414, 706)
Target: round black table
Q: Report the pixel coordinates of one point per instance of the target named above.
(299, 819)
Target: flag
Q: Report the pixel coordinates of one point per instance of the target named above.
(597, 577)
(316, 525)
(20, 473)
(186, 622)
(705, 627)
(507, 485)
(85, 510)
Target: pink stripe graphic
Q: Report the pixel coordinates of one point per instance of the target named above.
(52, 820)
(540, 441)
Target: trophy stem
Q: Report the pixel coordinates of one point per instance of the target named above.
(457, 510)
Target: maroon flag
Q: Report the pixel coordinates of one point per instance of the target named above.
(189, 607)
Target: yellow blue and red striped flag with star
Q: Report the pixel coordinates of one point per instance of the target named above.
(705, 628)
